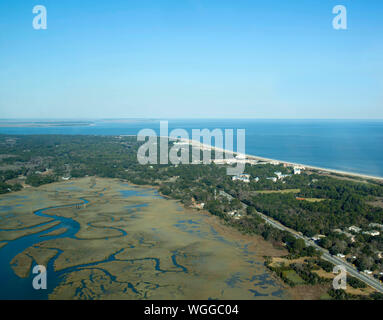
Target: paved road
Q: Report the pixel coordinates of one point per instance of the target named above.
(372, 282)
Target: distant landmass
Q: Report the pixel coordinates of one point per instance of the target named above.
(43, 124)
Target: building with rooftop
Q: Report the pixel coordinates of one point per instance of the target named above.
(242, 177)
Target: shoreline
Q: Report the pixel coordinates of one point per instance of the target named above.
(245, 157)
(264, 159)
(336, 171)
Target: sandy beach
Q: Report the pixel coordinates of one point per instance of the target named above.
(244, 157)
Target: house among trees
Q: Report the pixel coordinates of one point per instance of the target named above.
(242, 177)
(355, 229)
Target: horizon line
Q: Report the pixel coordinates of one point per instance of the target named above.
(180, 118)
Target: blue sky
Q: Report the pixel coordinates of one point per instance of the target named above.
(191, 59)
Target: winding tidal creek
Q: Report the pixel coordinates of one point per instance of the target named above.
(105, 239)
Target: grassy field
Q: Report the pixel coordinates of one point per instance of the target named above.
(325, 296)
(294, 277)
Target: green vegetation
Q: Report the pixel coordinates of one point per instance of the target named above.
(355, 283)
(292, 277)
(330, 202)
(298, 273)
(6, 175)
(36, 180)
(279, 191)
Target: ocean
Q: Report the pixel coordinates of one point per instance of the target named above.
(347, 145)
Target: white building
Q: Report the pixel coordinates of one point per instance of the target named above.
(297, 170)
(235, 214)
(242, 177)
(318, 237)
(372, 233)
(199, 205)
(376, 225)
(278, 174)
(281, 176)
(355, 229)
(274, 179)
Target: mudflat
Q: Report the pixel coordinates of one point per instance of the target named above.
(128, 242)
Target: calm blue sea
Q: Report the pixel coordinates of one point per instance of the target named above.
(349, 145)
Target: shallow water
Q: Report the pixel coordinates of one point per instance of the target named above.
(14, 287)
(161, 252)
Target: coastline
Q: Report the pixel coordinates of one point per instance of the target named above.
(268, 169)
(245, 157)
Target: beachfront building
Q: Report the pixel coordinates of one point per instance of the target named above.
(252, 162)
(298, 169)
(234, 161)
(225, 161)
